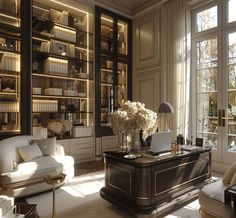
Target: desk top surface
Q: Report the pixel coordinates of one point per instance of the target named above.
(148, 159)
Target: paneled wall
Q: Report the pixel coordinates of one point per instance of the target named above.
(147, 58)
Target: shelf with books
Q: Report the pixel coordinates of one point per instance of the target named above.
(10, 68)
(62, 64)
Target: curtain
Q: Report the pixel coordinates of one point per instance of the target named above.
(176, 63)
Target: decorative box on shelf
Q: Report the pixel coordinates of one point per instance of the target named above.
(82, 131)
(68, 92)
(37, 91)
(83, 75)
(53, 91)
(59, 17)
(82, 94)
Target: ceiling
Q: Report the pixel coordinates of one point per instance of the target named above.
(129, 7)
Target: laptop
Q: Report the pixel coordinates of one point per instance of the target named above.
(161, 142)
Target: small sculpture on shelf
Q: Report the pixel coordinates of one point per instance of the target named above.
(73, 72)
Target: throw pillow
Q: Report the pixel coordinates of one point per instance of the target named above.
(233, 180)
(47, 146)
(229, 174)
(29, 152)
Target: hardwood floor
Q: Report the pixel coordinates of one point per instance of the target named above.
(88, 167)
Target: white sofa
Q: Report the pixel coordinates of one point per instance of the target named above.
(20, 178)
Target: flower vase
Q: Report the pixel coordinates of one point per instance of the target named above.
(134, 143)
(122, 142)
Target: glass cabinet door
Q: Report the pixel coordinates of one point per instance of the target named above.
(113, 66)
(122, 37)
(10, 61)
(106, 90)
(121, 94)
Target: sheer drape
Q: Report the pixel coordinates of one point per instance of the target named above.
(176, 58)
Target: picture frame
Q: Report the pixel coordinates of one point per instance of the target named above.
(60, 48)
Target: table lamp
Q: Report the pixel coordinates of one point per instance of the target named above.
(165, 108)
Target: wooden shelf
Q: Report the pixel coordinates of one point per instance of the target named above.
(58, 97)
(54, 76)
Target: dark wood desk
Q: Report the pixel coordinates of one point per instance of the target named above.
(141, 185)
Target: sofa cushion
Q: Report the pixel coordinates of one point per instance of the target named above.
(37, 168)
(229, 174)
(47, 146)
(29, 152)
(211, 199)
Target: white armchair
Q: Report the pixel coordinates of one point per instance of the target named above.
(212, 197)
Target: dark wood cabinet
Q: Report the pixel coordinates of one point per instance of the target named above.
(113, 64)
(15, 62)
(143, 184)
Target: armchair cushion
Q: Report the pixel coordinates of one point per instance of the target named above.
(211, 199)
(233, 180)
(229, 173)
(30, 152)
(47, 146)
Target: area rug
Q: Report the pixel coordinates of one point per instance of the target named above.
(80, 198)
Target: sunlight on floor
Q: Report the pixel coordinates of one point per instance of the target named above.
(85, 185)
(172, 216)
(193, 205)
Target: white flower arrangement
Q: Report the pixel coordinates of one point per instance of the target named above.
(133, 117)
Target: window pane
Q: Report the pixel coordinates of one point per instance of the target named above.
(232, 92)
(231, 11)
(207, 19)
(207, 63)
(207, 54)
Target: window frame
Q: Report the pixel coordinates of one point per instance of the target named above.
(201, 8)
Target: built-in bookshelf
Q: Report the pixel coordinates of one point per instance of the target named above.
(10, 67)
(113, 66)
(63, 79)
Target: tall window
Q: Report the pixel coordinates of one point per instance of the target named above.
(214, 76)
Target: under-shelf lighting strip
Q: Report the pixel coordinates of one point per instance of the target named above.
(111, 21)
(69, 6)
(59, 77)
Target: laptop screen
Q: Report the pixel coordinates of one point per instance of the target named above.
(161, 142)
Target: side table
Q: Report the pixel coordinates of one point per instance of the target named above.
(28, 210)
(53, 180)
(230, 196)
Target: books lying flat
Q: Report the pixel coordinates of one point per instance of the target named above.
(190, 148)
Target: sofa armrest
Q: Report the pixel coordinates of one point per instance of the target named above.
(59, 150)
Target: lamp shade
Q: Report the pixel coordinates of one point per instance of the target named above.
(166, 107)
